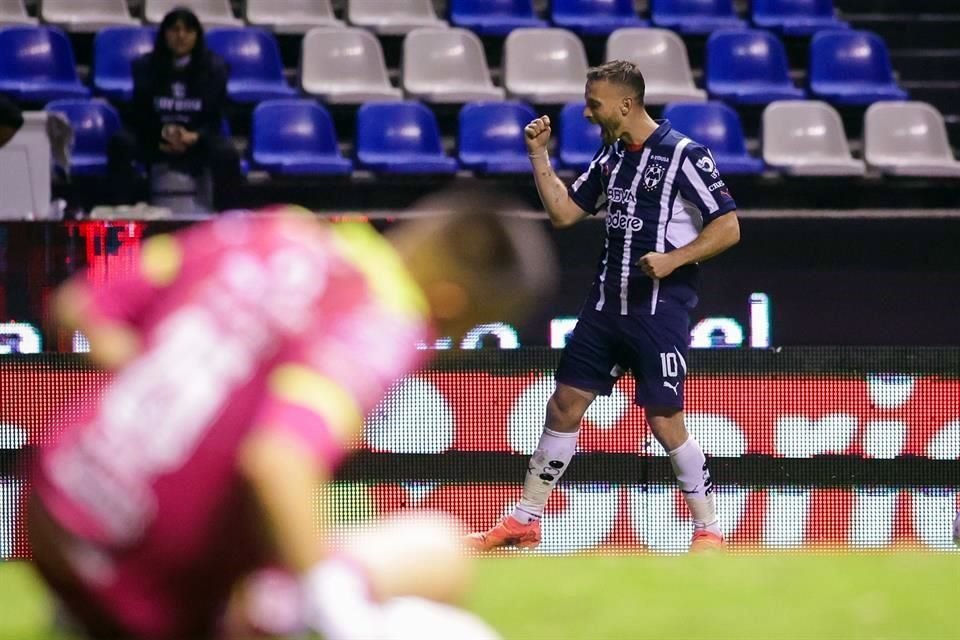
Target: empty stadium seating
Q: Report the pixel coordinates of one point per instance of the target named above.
(796, 17)
(446, 66)
(662, 57)
(256, 72)
(291, 16)
(296, 137)
(806, 137)
(543, 63)
(544, 66)
(579, 139)
(908, 139)
(114, 50)
(718, 127)
(695, 16)
(93, 122)
(400, 137)
(396, 17)
(14, 12)
(851, 67)
(344, 66)
(212, 13)
(86, 15)
(748, 66)
(491, 137)
(494, 17)
(37, 65)
(594, 17)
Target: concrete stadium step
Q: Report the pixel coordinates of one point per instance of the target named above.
(926, 64)
(897, 6)
(943, 94)
(906, 30)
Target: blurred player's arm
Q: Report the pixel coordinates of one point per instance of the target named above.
(107, 315)
(286, 479)
(301, 433)
(561, 208)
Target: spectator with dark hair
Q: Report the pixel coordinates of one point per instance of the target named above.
(179, 96)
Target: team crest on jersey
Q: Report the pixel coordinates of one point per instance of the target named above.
(179, 90)
(652, 176)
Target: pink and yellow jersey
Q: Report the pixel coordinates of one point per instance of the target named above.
(267, 322)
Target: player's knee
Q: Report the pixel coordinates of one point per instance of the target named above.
(564, 412)
(667, 425)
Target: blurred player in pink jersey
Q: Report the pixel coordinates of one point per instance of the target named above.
(247, 352)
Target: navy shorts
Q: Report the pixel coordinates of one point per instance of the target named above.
(604, 345)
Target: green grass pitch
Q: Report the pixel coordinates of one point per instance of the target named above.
(911, 596)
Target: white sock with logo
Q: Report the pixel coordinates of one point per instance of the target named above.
(693, 476)
(547, 464)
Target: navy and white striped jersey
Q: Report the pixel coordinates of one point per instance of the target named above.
(657, 197)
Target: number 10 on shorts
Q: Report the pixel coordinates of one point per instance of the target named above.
(669, 365)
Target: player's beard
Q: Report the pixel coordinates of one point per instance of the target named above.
(609, 131)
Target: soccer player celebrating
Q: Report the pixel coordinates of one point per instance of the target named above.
(667, 208)
(246, 352)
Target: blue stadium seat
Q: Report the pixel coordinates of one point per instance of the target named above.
(716, 126)
(494, 17)
(37, 65)
(256, 71)
(296, 137)
(852, 68)
(595, 17)
(748, 66)
(93, 122)
(114, 50)
(695, 16)
(579, 139)
(400, 137)
(490, 138)
(796, 17)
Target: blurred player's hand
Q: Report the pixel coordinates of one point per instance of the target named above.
(537, 135)
(657, 265)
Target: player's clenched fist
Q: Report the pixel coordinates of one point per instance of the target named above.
(657, 265)
(537, 135)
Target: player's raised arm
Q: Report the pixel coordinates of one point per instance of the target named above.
(561, 208)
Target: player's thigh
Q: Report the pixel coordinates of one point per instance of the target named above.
(589, 360)
(655, 347)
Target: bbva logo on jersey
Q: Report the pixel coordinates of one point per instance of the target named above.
(652, 176)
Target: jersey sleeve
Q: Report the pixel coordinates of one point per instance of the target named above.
(315, 407)
(123, 298)
(699, 182)
(588, 191)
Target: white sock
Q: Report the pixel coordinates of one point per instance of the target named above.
(690, 467)
(547, 464)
